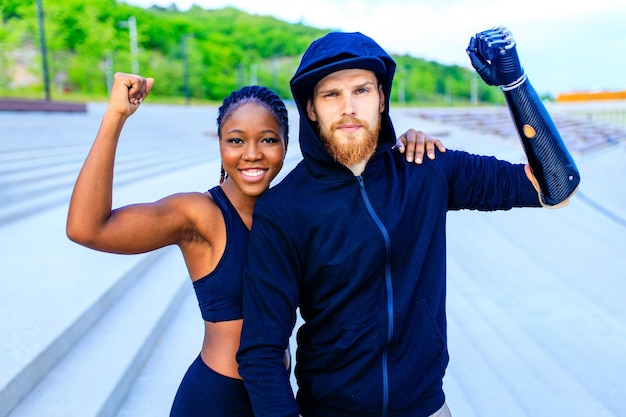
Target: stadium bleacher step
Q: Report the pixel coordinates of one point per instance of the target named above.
(94, 376)
(155, 387)
(69, 289)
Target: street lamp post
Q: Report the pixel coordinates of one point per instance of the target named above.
(186, 89)
(474, 89)
(44, 52)
(131, 24)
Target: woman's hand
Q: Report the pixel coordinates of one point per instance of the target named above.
(128, 92)
(414, 142)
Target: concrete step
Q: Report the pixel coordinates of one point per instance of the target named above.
(26, 196)
(527, 320)
(505, 367)
(92, 378)
(23, 169)
(581, 135)
(42, 153)
(154, 389)
(69, 287)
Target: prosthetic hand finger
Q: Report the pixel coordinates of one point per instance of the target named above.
(479, 63)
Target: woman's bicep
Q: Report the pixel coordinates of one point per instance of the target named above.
(139, 228)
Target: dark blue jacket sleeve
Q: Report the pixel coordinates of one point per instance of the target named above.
(270, 299)
(486, 183)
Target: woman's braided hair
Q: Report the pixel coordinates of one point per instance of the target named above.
(255, 94)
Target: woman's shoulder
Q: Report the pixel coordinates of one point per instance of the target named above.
(190, 197)
(203, 217)
(195, 205)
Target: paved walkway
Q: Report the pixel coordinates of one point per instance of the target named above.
(537, 321)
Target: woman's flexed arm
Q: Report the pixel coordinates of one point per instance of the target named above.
(91, 220)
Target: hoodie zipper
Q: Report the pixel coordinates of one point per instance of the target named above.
(385, 234)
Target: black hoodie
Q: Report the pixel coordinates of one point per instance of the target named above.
(364, 260)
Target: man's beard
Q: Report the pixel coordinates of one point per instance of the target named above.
(349, 149)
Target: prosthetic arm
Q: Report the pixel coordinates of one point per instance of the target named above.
(552, 170)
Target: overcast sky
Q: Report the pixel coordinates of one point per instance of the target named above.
(563, 47)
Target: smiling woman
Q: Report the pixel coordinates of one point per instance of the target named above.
(211, 228)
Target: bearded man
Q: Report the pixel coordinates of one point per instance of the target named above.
(354, 237)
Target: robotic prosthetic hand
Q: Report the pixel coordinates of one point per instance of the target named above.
(553, 171)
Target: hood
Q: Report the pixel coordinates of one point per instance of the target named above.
(333, 52)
